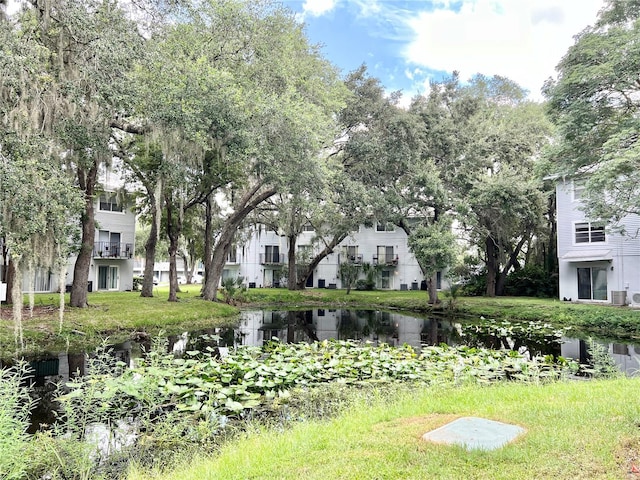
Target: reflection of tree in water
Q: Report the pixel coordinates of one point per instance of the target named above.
(366, 324)
(527, 338)
(348, 327)
(301, 321)
(436, 331)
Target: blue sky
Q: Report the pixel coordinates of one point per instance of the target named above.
(407, 43)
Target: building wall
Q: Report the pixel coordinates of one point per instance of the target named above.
(367, 240)
(122, 223)
(619, 255)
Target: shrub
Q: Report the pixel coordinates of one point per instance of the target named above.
(15, 408)
(532, 281)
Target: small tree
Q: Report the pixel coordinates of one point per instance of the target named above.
(434, 247)
(349, 273)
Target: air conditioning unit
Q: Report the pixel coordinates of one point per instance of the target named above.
(635, 299)
(618, 297)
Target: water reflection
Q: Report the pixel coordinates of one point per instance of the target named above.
(257, 327)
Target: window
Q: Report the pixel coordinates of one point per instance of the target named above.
(578, 189)
(385, 227)
(592, 283)
(107, 277)
(586, 232)
(385, 279)
(109, 245)
(272, 254)
(232, 257)
(385, 255)
(308, 228)
(109, 203)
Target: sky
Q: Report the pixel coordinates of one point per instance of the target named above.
(408, 43)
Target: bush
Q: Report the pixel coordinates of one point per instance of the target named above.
(476, 286)
(365, 284)
(532, 281)
(15, 409)
(137, 283)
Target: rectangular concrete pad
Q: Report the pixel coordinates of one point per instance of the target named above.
(475, 433)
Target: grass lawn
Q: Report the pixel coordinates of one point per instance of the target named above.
(114, 315)
(577, 430)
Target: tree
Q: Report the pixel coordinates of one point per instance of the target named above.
(38, 208)
(349, 273)
(87, 49)
(483, 140)
(434, 247)
(293, 95)
(38, 203)
(594, 103)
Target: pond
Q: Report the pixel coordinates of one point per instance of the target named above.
(256, 327)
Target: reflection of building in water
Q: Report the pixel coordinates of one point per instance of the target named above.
(626, 357)
(394, 329)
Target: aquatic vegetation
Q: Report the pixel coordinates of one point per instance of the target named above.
(254, 378)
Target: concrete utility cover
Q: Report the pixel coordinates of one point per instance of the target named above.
(475, 433)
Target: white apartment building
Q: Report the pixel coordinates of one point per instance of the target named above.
(597, 263)
(263, 259)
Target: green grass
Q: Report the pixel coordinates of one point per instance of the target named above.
(114, 315)
(574, 430)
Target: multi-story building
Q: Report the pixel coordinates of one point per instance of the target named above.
(597, 262)
(263, 260)
(112, 258)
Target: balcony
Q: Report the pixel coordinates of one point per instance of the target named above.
(347, 258)
(272, 259)
(112, 250)
(389, 260)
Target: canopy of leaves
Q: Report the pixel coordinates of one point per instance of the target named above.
(595, 103)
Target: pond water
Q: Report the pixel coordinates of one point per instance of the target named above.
(257, 327)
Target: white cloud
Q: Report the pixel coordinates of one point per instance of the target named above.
(318, 7)
(520, 39)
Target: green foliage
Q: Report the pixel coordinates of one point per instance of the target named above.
(532, 281)
(476, 285)
(15, 409)
(434, 246)
(593, 427)
(602, 363)
(349, 273)
(233, 290)
(163, 387)
(593, 103)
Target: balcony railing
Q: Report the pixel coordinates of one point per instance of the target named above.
(112, 250)
(346, 258)
(390, 260)
(272, 259)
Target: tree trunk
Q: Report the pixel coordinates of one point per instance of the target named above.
(8, 276)
(432, 288)
(220, 252)
(208, 237)
(249, 202)
(551, 258)
(152, 242)
(16, 300)
(328, 249)
(173, 233)
(292, 283)
(79, 288)
(501, 278)
(491, 252)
